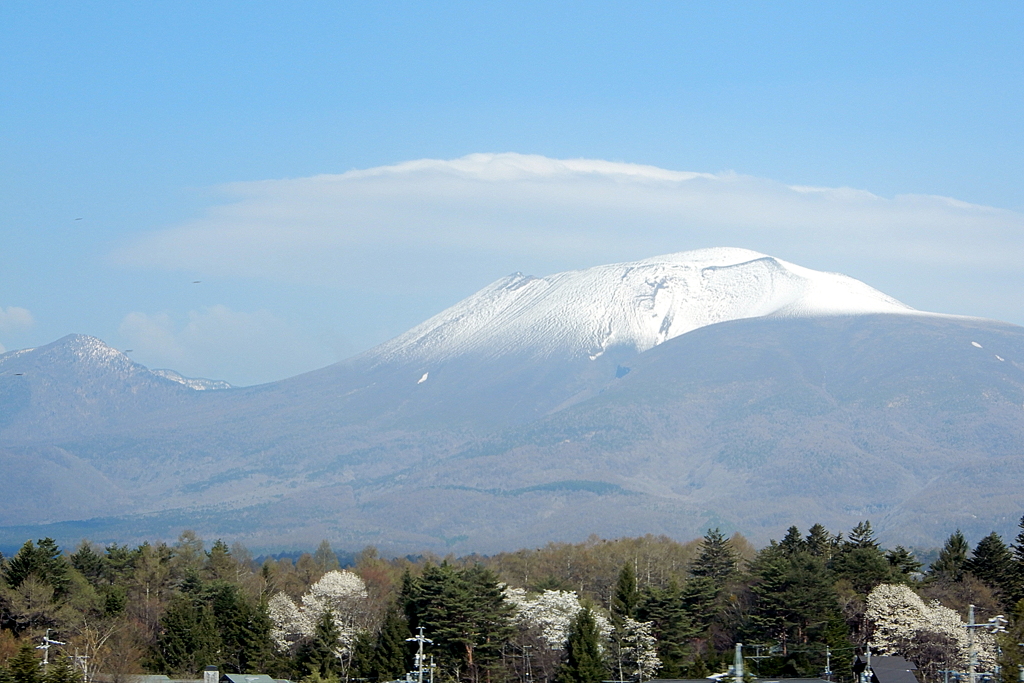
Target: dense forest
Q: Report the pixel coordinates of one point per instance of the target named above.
(624, 609)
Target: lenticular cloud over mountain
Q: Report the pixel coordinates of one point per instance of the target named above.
(636, 305)
(443, 227)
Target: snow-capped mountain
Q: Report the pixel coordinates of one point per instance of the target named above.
(636, 306)
(719, 387)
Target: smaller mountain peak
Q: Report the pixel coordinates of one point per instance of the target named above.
(85, 348)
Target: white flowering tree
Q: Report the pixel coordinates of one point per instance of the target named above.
(544, 620)
(930, 635)
(550, 613)
(639, 649)
(342, 594)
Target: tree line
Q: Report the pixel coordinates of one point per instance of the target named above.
(622, 609)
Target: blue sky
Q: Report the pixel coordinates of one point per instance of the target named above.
(186, 137)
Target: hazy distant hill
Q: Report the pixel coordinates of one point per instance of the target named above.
(719, 387)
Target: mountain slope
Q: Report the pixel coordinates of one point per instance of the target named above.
(548, 409)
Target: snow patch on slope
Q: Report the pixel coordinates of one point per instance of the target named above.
(638, 305)
(197, 383)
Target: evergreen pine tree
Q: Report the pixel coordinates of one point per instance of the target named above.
(860, 561)
(992, 562)
(317, 656)
(626, 595)
(188, 639)
(62, 671)
(244, 629)
(952, 558)
(903, 562)
(44, 561)
(1015, 582)
(1012, 655)
(699, 596)
(361, 665)
(584, 663)
(119, 562)
(794, 600)
(385, 657)
(5, 674)
(862, 536)
(24, 666)
(820, 542)
(391, 652)
(465, 613)
(219, 565)
(792, 543)
(717, 559)
(88, 562)
(665, 609)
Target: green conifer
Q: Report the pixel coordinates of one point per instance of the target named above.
(717, 559)
(584, 663)
(792, 543)
(24, 666)
(820, 542)
(391, 653)
(626, 595)
(62, 671)
(672, 627)
(317, 656)
(952, 558)
(862, 536)
(903, 562)
(992, 562)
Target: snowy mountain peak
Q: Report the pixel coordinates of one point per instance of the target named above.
(76, 350)
(635, 305)
(84, 355)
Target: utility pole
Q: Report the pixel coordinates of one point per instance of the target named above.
(45, 647)
(420, 639)
(828, 663)
(973, 664)
(82, 662)
(737, 664)
(996, 624)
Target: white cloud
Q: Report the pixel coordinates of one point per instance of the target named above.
(434, 224)
(218, 343)
(15, 319)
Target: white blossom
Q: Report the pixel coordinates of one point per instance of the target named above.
(342, 594)
(901, 618)
(551, 613)
(289, 622)
(639, 647)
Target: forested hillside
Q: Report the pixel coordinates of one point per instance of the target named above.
(624, 609)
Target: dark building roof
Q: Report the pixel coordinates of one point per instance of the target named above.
(728, 679)
(246, 678)
(893, 670)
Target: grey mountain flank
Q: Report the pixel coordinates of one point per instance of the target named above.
(546, 409)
